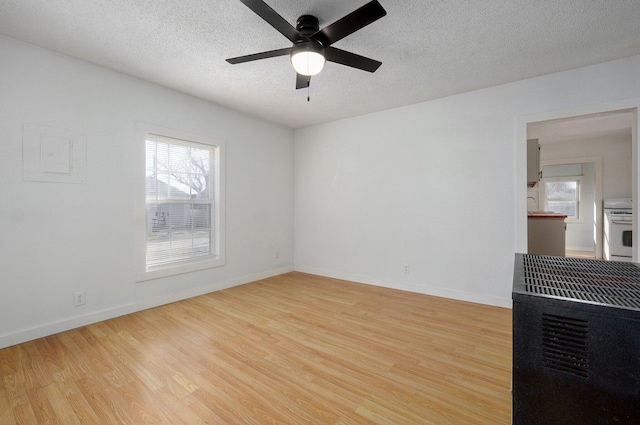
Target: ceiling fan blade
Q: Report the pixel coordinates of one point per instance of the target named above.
(272, 17)
(262, 55)
(302, 81)
(351, 59)
(351, 23)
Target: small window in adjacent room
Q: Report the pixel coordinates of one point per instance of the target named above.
(183, 205)
(563, 196)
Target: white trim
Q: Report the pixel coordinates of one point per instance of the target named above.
(142, 274)
(47, 329)
(436, 292)
(635, 186)
(166, 270)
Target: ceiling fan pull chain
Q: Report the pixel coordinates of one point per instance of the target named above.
(308, 89)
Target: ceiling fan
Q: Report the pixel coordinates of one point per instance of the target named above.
(312, 46)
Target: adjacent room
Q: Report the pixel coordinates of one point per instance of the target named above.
(199, 229)
(592, 156)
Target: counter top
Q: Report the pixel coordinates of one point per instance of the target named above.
(545, 214)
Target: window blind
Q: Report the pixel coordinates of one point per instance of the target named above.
(179, 201)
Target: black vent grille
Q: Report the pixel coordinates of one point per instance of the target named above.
(603, 282)
(565, 344)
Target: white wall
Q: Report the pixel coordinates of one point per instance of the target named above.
(439, 185)
(581, 234)
(616, 161)
(61, 238)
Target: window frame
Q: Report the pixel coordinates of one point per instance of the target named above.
(565, 179)
(145, 272)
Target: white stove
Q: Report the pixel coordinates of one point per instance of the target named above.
(618, 236)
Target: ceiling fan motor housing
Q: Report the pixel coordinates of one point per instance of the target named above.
(307, 25)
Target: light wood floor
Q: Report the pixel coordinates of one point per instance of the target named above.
(293, 349)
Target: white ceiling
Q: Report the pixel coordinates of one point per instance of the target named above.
(429, 48)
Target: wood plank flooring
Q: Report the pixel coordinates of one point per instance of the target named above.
(293, 349)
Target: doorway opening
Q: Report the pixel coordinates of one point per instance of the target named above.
(574, 187)
(575, 184)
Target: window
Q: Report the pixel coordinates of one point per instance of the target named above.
(182, 202)
(563, 196)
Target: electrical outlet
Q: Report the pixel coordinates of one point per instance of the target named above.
(79, 298)
(276, 253)
(407, 269)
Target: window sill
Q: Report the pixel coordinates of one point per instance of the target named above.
(158, 272)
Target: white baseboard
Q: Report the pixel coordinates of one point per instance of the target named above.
(437, 292)
(30, 334)
(580, 248)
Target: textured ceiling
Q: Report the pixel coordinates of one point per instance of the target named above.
(429, 48)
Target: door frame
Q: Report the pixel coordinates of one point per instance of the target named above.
(597, 164)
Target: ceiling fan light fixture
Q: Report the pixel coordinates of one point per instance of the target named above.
(307, 58)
